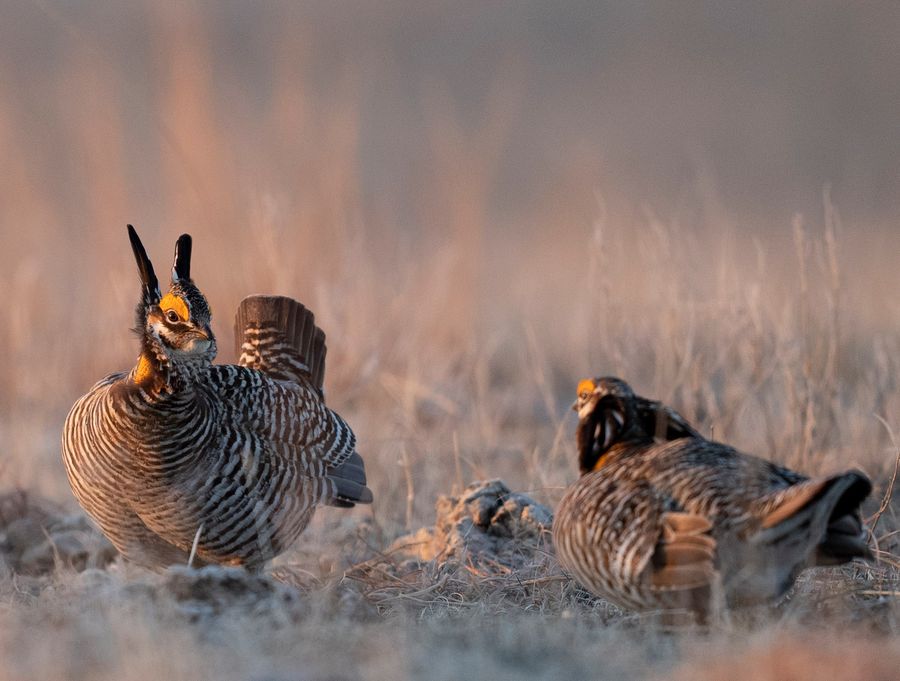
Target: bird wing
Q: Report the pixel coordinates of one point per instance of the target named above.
(295, 424)
(682, 567)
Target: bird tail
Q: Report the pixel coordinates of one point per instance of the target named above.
(824, 513)
(814, 522)
(279, 336)
(348, 482)
(845, 534)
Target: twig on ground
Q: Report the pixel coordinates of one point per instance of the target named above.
(886, 501)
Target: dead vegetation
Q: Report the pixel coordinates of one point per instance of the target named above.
(488, 550)
(478, 593)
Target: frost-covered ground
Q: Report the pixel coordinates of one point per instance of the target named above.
(476, 595)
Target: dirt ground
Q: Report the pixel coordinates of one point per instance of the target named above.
(476, 595)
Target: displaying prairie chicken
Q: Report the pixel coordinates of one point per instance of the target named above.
(662, 518)
(179, 458)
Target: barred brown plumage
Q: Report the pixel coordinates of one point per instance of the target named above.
(662, 518)
(179, 458)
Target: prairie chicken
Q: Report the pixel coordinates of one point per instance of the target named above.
(662, 518)
(179, 458)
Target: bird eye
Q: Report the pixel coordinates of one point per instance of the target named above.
(172, 316)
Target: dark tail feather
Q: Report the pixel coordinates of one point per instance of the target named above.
(793, 529)
(349, 480)
(845, 536)
(825, 514)
(263, 323)
(841, 547)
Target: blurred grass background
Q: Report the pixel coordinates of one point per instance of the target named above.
(482, 204)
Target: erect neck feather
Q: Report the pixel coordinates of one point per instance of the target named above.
(153, 372)
(144, 371)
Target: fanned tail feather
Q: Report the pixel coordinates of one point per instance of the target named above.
(279, 336)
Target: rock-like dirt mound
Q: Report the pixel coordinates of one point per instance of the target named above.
(202, 594)
(37, 537)
(489, 548)
(214, 590)
(486, 524)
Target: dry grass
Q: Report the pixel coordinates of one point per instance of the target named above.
(454, 348)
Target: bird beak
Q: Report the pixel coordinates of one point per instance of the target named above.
(575, 405)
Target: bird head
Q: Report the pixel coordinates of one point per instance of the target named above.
(177, 323)
(606, 416)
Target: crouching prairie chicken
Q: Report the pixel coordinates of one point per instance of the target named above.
(182, 459)
(662, 518)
